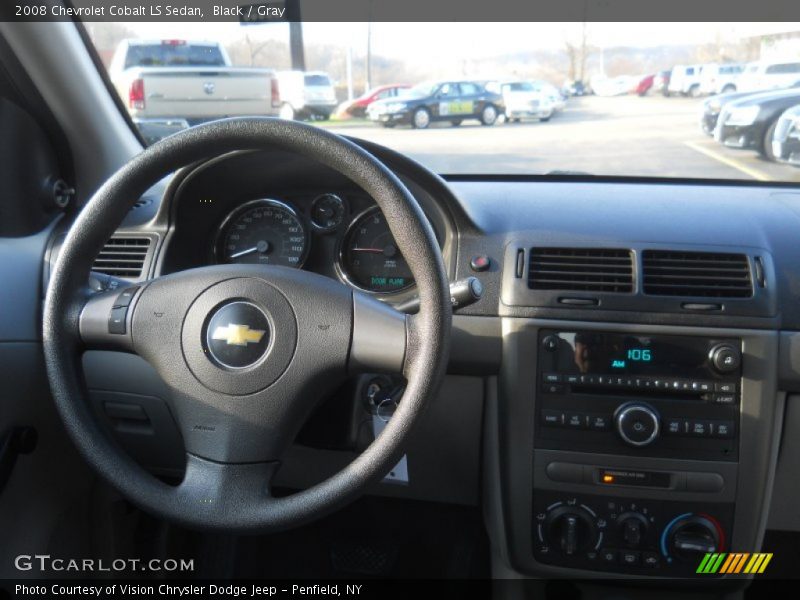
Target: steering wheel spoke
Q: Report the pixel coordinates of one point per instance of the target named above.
(105, 319)
(380, 337)
(210, 485)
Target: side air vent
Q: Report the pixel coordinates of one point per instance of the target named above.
(581, 269)
(123, 257)
(697, 274)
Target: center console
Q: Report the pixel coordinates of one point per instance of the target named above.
(635, 395)
(633, 450)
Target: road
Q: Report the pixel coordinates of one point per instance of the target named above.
(627, 135)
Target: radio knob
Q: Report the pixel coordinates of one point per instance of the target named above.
(725, 358)
(637, 424)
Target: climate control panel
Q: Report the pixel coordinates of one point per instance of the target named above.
(621, 535)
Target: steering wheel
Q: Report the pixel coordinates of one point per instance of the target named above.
(246, 350)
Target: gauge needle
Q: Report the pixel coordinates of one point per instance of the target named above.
(243, 252)
(373, 250)
(262, 247)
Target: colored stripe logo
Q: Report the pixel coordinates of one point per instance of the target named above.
(732, 563)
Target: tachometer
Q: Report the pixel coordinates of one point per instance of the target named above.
(369, 258)
(266, 232)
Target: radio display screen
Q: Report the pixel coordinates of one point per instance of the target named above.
(583, 352)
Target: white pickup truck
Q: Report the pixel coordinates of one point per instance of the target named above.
(171, 84)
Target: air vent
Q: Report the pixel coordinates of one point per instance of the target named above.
(123, 257)
(581, 269)
(696, 274)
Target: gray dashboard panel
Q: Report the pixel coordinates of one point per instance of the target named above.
(513, 470)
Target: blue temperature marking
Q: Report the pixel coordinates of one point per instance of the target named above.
(666, 529)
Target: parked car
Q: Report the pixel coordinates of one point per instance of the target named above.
(750, 122)
(711, 108)
(645, 85)
(786, 137)
(552, 93)
(766, 75)
(573, 87)
(306, 95)
(358, 107)
(525, 100)
(613, 86)
(720, 78)
(661, 82)
(685, 80)
(451, 101)
(164, 80)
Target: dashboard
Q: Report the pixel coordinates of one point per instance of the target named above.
(263, 208)
(621, 398)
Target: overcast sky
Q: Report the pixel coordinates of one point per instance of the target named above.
(470, 40)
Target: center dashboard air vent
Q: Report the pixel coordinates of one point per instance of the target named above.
(696, 274)
(581, 269)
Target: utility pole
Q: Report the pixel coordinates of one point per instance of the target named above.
(368, 82)
(296, 47)
(349, 72)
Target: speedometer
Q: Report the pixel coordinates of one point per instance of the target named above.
(369, 258)
(264, 232)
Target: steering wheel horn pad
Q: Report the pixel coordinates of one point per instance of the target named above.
(305, 334)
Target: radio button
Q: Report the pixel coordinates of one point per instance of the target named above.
(551, 378)
(577, 420)
(553, 388)
(703, 386)
(723, 429)
(725, 398)
(550, 343)
(572, 379)
(553, 418)
(599, 422)
(675, 426)
(726, 387)
(637, 424)
(699, 428)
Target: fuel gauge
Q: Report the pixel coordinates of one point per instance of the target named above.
(328, 212)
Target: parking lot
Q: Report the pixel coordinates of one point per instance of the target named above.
(651, 136)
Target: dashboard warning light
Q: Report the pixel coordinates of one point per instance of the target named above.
(608, 478)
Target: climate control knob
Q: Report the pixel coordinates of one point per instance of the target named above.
(570, 529)
(638, 424)
(632, 528)
(725, 358)
(691, 536)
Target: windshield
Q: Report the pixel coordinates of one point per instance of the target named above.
(602, 108)
(522, 86)
(317, 80)
(422, 90)
(173, 54)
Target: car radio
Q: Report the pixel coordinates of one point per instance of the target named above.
(644, 395)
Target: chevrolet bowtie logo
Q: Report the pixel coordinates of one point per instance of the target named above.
(238, 335)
